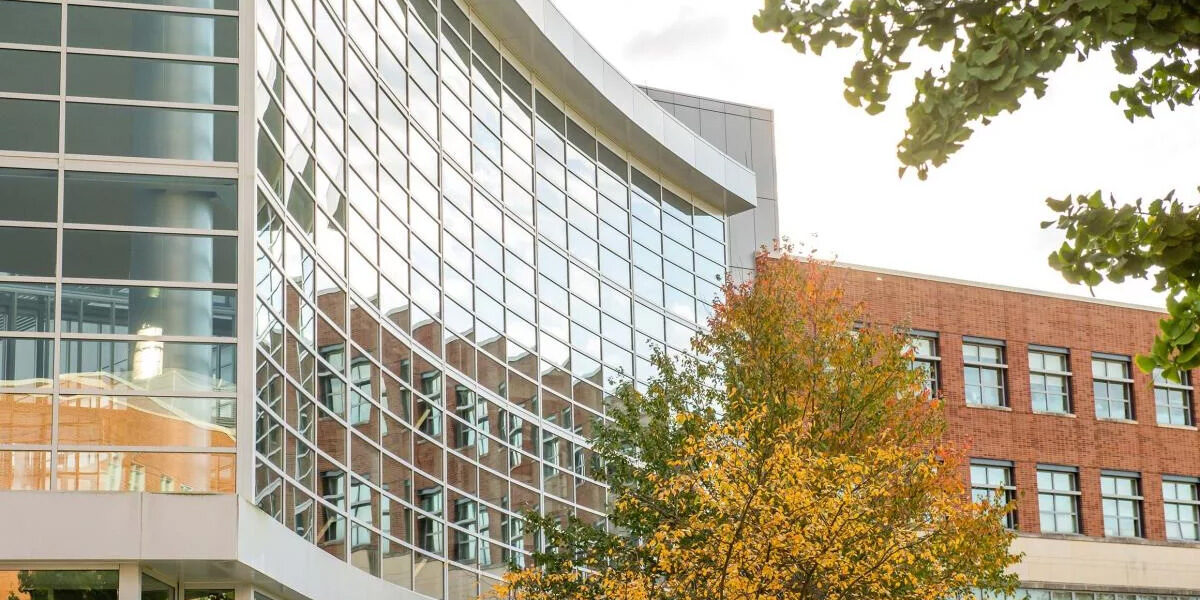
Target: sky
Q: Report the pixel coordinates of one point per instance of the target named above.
(976, 217)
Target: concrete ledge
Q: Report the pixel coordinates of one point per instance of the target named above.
(1089, 563)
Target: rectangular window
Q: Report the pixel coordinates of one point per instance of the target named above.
(983, 372)
(1058, 499)
(129, 309)
(1121, 499)
(146, 256)
(99, 585)
(993, 481)
(925, 359)
(26, 72)
(1172, 399)
(96, 76)
(25, 363)
(150, 201)
(30, 23)
(1049, 380)
(150, 132)
(26, 307)
(151, 31)
(1112, 387)
(28, 125)
(1181, 505)
(28, 195)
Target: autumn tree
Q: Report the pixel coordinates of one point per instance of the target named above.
(802, 458)
(991, 55)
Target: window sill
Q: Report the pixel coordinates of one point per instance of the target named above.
(1056, 414)
(1121, 421)
(1182, 427)
(990, 407)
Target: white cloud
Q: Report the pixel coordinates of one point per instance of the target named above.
(976, 218)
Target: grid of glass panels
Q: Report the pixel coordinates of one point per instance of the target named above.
(992, 481)
(983, 374)
(1112, 386)
(1049, 381)
(1058, 499)
(1181, 507)
(1121, 501)
(451, 273)
(117, 289)
(1173, 399)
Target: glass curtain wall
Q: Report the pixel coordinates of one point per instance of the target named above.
(451, 273)
(118, 284)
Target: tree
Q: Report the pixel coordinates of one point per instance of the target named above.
(817, 469)
(997, 51)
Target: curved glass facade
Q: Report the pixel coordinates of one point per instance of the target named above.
(451, 272)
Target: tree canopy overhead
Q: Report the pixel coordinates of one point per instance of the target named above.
(816, 471)
(993, 54)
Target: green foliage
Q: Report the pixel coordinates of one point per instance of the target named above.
(995, 52)
(1159, 240)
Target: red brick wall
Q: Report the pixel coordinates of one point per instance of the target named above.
(1019, 435)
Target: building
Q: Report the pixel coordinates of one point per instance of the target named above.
(1102, 459)
(310, 299)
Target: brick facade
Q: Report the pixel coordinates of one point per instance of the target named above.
(1016, 433)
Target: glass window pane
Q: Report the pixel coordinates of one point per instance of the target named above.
(151, 132)
(28, 252)
(149, 31)
(147, 365)
(28, 195)
(28, 125)
(146, 471)
(149, 256)
(28, 585)
(92, 75)
(150, 201)
(24, 471)
(30, 23)
(24, 419)
(146, 421)
(25, 363)
(167, 311)
(28, 72)
(26, 306)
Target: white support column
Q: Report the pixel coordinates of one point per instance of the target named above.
(129, 582)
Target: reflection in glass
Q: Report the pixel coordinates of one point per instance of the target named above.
(147, 256)
(26, 194)
(147, 365)
(24, 419)
(58, 585)
(138, 131)
(163, 472)
(97, 76)
(129, 309)
(89, 420)
(26, 306)
(25, 363)
(150, 200)
(23, 470)
(151, 31)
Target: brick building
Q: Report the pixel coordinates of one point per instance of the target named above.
(1103, 459)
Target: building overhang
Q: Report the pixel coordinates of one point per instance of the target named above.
(218, 537)
(542, 39)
